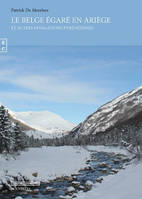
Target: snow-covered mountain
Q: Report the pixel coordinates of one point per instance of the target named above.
(112, 114)
(41, 124)
(45, 121)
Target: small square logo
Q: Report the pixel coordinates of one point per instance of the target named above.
(3, 45)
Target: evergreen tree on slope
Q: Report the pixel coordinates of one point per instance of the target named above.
(19, 138)
(6, 131)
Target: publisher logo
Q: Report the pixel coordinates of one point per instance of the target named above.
(3, 45)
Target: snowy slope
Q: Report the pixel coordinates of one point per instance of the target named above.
(124, 185)
(45, 121)
(118, 110)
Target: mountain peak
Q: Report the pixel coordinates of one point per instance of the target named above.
(45, 121)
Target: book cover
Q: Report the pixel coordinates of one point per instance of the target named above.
(70, 99)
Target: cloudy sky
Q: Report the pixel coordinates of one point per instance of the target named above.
(70, 81)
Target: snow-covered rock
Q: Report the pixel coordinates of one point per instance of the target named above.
(64, 197)
(18, 197)
(99, 180)
(76, 183)
(35, 191)
(70, 189)
(113, 113)
(89, 184)
(50, 189)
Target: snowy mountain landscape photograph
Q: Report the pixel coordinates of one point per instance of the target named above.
(71, 122)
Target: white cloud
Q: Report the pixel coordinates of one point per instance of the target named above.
(50, 87)
(57, 85)
(6, 75)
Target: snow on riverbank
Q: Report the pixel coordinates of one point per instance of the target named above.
(49, 162)
(124, 185)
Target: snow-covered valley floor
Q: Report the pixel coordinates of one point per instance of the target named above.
(48, 162)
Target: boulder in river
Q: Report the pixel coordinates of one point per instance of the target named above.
(76, 183)
(104, 170)
(116, 161)
(99, 180)
(103, 165)
(70, 179)
(70, 190)
(50, 189)
(114, 170)
(35, 191)
(76, 174)
(88, 161)
(88, 168)
(89, 184)
(81, 187)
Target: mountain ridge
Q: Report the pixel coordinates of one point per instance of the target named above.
(113, 113)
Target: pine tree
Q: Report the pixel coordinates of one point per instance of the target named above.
(6, 131)
(19, 138)
(1, 128)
